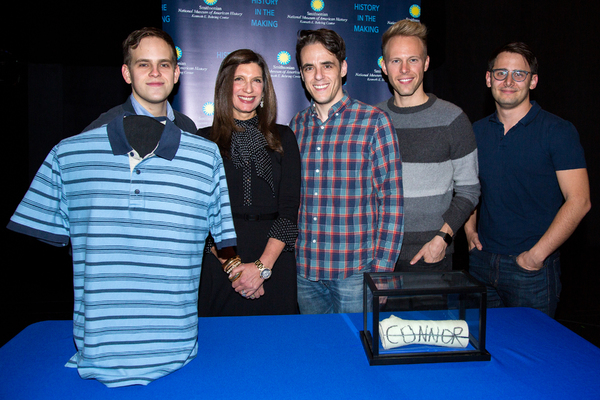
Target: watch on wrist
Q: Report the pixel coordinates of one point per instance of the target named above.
(265, 272)
(446, 236)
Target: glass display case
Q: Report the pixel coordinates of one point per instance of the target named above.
(423, 317)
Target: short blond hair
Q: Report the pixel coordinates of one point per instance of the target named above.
(405, 27)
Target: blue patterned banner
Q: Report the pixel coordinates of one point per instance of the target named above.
(205, 31)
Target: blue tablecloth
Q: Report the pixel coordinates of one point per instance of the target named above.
(319, 357)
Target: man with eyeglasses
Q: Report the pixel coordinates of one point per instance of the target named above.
(534, 189)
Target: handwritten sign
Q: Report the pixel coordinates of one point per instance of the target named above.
(396, 332)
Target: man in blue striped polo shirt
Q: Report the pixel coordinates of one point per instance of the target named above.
(136, 197)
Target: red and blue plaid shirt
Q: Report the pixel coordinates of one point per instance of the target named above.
(351, 206)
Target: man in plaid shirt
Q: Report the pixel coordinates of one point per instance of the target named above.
(351, 206)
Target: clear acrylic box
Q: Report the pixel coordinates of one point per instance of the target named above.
(423, 317)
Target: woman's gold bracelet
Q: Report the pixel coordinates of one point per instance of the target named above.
(230, 264)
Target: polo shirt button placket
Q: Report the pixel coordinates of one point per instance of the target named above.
(136, 199)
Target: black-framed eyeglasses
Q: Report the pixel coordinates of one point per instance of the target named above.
(501, 74)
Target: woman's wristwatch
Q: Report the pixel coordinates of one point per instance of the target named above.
(265, 272)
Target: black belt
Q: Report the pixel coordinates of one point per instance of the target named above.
(256, 217)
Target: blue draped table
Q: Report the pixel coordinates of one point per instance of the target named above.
(319, 357)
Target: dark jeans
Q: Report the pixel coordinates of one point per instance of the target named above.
(509, 285)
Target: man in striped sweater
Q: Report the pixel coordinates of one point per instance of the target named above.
(438, 149)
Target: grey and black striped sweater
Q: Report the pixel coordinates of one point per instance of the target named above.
(439, 169)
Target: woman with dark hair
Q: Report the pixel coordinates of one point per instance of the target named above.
(262, 165)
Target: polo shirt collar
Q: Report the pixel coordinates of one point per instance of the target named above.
(527, 119)
(530, 116)
(167, 145)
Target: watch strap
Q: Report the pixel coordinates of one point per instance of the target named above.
(262, 268)
(446, 236)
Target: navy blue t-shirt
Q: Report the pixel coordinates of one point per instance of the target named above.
(520, 195)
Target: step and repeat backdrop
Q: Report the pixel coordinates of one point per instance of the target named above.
(205, 31)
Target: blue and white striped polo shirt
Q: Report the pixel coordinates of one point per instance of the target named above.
(138, 237)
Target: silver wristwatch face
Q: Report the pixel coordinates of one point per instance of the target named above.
(265, 273)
